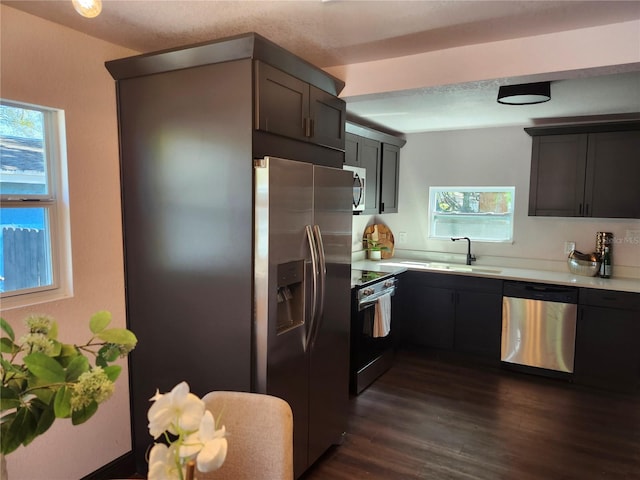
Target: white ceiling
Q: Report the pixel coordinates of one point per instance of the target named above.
(340, 32)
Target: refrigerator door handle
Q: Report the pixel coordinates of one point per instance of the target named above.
(314, 289)
(322, 276)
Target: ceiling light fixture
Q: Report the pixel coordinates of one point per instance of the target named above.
(88, 8)
(525, 94)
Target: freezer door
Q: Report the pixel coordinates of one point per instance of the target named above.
(283, 283)
(329, 352)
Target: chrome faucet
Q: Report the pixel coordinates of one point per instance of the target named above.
(470, 257)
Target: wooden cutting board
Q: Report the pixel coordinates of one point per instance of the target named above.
(385, 237)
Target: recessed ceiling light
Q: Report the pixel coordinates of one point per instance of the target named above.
(88, 8)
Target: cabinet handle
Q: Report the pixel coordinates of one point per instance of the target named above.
(381, 206)
(586, 210)
(307, 127)
(580, 210)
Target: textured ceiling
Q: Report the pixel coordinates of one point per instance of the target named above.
(473, 105)
(329, 33)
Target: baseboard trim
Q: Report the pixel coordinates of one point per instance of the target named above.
(122, 467)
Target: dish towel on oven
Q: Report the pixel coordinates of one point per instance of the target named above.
(382, 316)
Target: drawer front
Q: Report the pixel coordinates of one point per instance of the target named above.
(610, 299)
(454, 281)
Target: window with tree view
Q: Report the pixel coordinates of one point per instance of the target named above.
(480, 213)
(30, 161)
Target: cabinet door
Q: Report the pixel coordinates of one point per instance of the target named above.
(432, 318)
(352, 150)
(613, 175)
(328, 116)
(558, 165)
(282, 103)
(479, 323)
(370, 159)
(607, 353)
(389, 178)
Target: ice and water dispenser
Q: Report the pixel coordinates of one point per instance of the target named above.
(290, 295)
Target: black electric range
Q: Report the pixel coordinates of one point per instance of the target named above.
(371, 355)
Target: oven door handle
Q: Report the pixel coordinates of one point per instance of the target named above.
(363, 304)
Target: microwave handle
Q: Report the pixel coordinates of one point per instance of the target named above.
(358, 180)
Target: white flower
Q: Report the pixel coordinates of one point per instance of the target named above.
(194, 435)
(209, 444)
(162, 463)
(177, 411)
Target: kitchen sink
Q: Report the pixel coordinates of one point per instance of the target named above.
(452, 267)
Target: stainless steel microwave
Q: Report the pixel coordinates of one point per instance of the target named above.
(359, 182)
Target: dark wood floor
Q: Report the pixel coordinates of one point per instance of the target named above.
(431, 419)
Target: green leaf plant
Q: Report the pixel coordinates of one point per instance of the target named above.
(375, 245)
(44, 379)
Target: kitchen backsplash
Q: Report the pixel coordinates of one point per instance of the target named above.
(497, 254)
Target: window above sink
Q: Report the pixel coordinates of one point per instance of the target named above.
(484, 214)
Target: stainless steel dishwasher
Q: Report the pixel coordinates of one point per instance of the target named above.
(539, 326)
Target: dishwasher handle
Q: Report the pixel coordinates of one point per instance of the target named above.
(540, 291)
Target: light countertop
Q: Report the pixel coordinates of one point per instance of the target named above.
(399, 265)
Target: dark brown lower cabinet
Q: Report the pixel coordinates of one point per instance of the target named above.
(454, 312)
(433, 317)
(479, 320)
(608, 340)
(463, 314)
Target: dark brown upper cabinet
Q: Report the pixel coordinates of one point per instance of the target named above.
(558, 170)
(288, 106)
(612, 184)
(378, 153)
(294, 107)
(389, 178)
(586, 171)
(366, 153)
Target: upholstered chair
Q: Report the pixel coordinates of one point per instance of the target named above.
(259, 435)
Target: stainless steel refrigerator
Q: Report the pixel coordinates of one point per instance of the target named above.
(302, 271)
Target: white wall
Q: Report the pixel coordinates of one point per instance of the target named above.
(46, 64)
(490, 157)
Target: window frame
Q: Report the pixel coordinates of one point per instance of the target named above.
(56, 203)
(433, 190)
